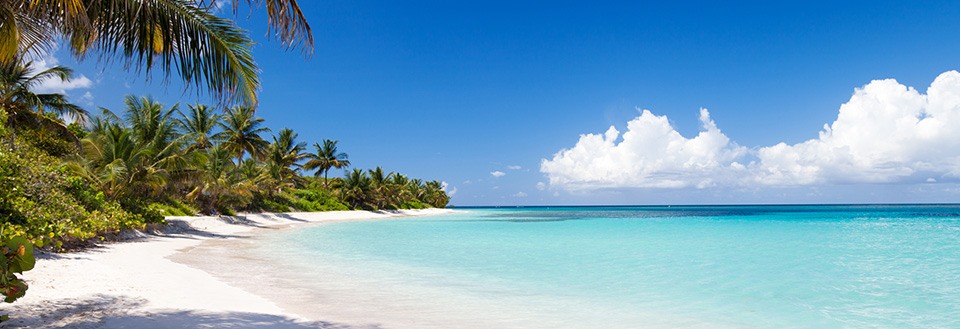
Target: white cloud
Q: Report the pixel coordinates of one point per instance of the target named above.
(541, 186)
(220, 6)
(87, 99)
(651, 153)
(451, 190)
(885, 133)
(514, 167)
(497, 173)
(55, 85)
(520, 195)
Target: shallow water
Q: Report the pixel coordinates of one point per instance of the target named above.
(628, 267)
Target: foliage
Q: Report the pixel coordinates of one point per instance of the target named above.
(44, 203)
(16, 256)
(327, 157)
(182, 36)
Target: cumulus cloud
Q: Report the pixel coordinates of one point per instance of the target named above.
(497, 173)
(541, 186)
(885, 133)
(520, 195)
(55, 85)
(651, 153)
(451, 190)
(514, 167)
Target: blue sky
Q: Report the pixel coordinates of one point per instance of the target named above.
(456, 91)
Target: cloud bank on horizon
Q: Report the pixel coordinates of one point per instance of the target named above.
(886, 133)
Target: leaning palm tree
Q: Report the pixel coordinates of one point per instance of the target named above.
(241, 133)
(184, 36)
(199, 125)
(326, 158)
(24, 107)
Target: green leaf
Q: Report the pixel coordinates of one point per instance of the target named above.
(23, 251)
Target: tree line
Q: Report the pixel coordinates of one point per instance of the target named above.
(65, 183)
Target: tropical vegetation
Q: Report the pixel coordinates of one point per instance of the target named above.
(68, 176)
(185, 37)
(131, 167)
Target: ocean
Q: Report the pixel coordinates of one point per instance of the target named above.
(824, 266)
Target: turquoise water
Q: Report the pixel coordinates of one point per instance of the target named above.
(629, 267)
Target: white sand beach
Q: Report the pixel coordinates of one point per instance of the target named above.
(135, 284)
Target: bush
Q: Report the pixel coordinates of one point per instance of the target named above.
(48, 207)
(173, 208)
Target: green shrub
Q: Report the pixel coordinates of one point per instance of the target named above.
(16, 257)
(42, 203)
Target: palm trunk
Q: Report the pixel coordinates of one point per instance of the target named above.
(326, 180)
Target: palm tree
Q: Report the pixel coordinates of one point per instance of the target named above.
(399, 188)
(355, 189)
(435, 196)
(241, 133)
(137, 156)
(221, 185)
(26, 108)
(379, 183)
(326, 158)
(284, 157)
(177, 35)
(199, 125)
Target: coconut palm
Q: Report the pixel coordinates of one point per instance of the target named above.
(355, 189)
(283, 159)
(199, 125)
(184, 36)
(25, 108)
(221, 184)
(137, 156)
(326, 158)
(435, 196)
(241, 133)
(379, 181)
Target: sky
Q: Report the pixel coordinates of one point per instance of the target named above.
(586, 103)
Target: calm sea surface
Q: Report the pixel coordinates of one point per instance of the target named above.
(633, 267)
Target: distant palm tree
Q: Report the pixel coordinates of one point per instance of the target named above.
(380, 186)
(326, 158)
(185, 36)
(222, 184)
(399, 189)
(355, 189)
(435, 196)
(241, 133)
(199, 125)
(284, 156)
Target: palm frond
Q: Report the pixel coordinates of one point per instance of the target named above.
(174, 35)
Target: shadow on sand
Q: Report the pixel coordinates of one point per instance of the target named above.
(104, 311)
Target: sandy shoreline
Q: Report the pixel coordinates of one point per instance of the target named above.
(135, 284)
